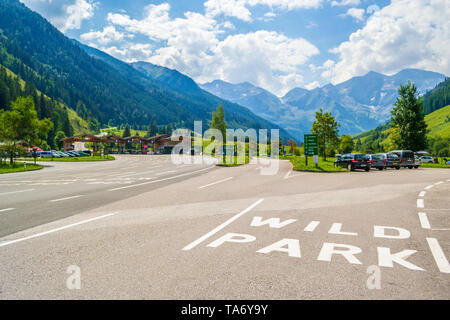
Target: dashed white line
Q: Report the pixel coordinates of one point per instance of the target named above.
(55, 230)
(11, 192)
(220, 227)
(420, 203)
(422, 194)
(438, 183)
(438, 255)
(164, 172)
(214, 183)
(7, 209)
(424, 220)
(164, 179)
(67, 198)
(429, 187)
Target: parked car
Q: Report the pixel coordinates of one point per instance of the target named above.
(417, 162)
(45, 154)
(427, 159)
(391, 160)
(376, 161)
(406, 158)
(62, 154)
(83, 154)
(72, 153)
(353, 161)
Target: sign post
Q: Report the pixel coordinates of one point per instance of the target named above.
(311, 147)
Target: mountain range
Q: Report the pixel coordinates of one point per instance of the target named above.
(111, 91)
(359, 104)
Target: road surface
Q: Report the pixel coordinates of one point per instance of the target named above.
(143, 228)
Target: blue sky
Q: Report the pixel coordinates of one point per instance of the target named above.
(275, 44)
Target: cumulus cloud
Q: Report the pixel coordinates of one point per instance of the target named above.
(194, 45)
(356, 13)
(312, 85)
(395, 38)
(239, 8)
(109, 34)
(70, 14)
(345, 3)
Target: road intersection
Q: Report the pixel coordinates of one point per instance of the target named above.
(204, 232)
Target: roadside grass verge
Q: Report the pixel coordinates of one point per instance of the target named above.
(72, 159)
(234, 164)
(18, 167)
(323, 166)
(435, 165)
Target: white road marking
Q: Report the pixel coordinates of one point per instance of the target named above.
(438, 255)
(55, 230)
(164, 179)
(220, 227)
(420, 203)
(164, 172)
(211, 184)
(1, 194)
(424, 220)
(422, 194)
(67, 198)
(429, 187)
(442, 229)
(311, 226)
(7, 209)
(438, 183)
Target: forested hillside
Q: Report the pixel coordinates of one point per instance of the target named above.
(437, 98)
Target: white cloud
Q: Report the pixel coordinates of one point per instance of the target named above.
(345, 3)
(356, 13)
(238, 8)
(404, 34)
(132, 53)
(194, 45)
(372, 8)
(312, 85)
(109, 34)
(68, 14)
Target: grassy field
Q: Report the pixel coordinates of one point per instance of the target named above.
(323, 166)
(439, 122)
(18, 167)
(73, 159)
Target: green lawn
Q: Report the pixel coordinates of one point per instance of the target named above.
(323, 166)
(73, 159)
(18, 167)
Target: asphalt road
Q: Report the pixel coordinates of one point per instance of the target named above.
(133, 231)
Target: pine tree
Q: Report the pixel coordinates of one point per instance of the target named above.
(218, 121)
(409, 119)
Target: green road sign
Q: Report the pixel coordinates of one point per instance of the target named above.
(311, 144)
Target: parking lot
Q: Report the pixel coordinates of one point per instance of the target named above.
(142, 227)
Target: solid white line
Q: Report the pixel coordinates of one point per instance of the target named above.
(422, 194)
(424, 220)
(220, 227)
(438, 183)
(420, 203)
(429, 187)
(16, 191)
(55, 230)
(7, 209)
(211, 184)
(311, 226)
(164, 172)
(164, 179)
(68, 198)
(442, 229)
(438, 255)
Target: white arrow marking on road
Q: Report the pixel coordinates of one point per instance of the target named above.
(1, 194)
(211, 184)
(424, 220)
(420, 203)
(68, 198)
(438, 255)
(55, 230)
(422, 194)
(7, 209)
(220, 227)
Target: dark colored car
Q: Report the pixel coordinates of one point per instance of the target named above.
(406, 158)
(376, 161)
(353, 161)
(391, 160)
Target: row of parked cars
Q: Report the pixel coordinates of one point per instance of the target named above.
(60, 154)
(393, 159)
